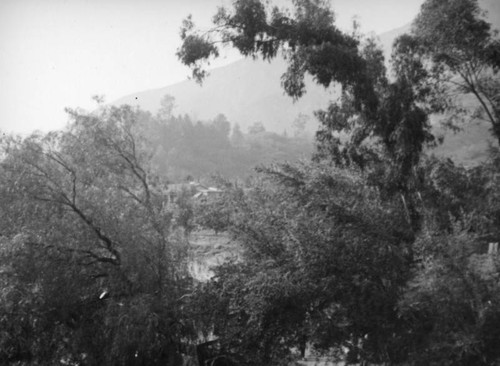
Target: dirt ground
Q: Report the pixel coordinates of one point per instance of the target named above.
(209, 250)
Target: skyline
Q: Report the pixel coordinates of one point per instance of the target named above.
(59, 53)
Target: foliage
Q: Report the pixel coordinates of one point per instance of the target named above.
(452, 302)
(463, 53)
(449, 303)
(183, 148)
(195, 48)
(110, 260)
(332, 263)
(309, 39)
(184, 210)
(325, 259)
(212, 213)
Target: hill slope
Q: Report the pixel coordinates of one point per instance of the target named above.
(245, 91)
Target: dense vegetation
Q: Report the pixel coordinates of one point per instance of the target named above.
(198, 150)
(371, 252)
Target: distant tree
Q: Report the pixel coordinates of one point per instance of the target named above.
(180, 148)
(299, 125)
(222, 125)
(212, 213)
(167, 105)
(256, 128)
(184, 209)
(236, 135)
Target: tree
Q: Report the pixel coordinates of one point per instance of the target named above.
(256, 128)
(213, 213)
(384, 136)
(222, 125)
(299, 125)
(237, 136)
(463, 52)
(379, 125)
(309, 40)
(112, 259)
(452, 302)
(317, 269)
(448, 306)
(167, 104)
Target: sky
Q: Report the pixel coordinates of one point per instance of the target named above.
(59, 53)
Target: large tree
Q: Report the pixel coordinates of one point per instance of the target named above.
(462, 52)
(90, 241)
(382, 119)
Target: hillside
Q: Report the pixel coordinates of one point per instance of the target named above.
(245, 91)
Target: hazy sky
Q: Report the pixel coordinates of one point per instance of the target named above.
(58, 53)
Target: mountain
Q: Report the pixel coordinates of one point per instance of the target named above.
(246, 91)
